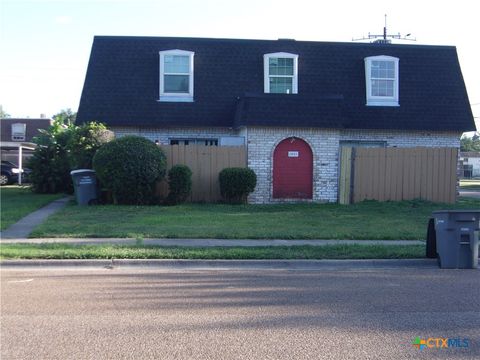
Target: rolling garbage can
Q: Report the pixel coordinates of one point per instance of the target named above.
(85, 185)
(457, 233)
(431, 248)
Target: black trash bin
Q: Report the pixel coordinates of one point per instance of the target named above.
(457, 234)
(85, 185)
(431, 248)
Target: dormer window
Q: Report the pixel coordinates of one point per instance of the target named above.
(176, 75)
(280, 73)
(381, 75)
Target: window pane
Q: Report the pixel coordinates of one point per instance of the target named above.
(280, 66)
(281, 85)
(383, 69)
(382, 88)
(176, 83)
(177, 64)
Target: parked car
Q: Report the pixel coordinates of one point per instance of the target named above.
(10, 171)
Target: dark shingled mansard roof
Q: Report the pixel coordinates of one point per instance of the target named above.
(122, 86)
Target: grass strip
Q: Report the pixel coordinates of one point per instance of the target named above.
(66, 251)
(405, 220)
(17, 202)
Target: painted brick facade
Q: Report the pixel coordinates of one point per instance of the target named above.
(325, 143)
(163, 135)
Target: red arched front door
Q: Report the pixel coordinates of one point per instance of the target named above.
(292, 169)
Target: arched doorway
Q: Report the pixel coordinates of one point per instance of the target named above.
(292, 170)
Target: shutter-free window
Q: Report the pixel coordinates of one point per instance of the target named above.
(382, 81)
(176, 75)
(281, 73)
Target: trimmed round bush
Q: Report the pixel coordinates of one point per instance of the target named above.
(130, 167)
(179, 184)
(236, 184)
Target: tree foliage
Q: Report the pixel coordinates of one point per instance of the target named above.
(49, 163)
(62, 148)
(470, 143)
(3, 113)
(84, 142)
(66, 117)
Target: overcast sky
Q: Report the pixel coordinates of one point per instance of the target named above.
(45, 44)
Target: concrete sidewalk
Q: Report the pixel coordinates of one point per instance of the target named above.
(23, 228)
(210, 242)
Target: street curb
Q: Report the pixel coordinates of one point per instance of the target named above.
(228, 264)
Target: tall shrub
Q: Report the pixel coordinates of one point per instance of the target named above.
(84, 142)
(62, 148)
(236, 184)
(130, 167)
(179, 184)
(49, 163)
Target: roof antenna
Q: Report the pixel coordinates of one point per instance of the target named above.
(385, 38)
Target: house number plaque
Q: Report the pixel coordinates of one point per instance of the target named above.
(293, 154)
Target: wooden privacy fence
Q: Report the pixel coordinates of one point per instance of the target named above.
(398, 174)
(206, 162)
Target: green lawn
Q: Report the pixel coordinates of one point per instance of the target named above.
(366, 220)
(17, 202)
(65, 251)
(467, 184)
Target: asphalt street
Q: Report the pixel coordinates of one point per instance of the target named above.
(67, 313)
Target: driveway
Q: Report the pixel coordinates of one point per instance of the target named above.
(237, 314)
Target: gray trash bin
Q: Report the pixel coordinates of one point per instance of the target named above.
(85, 185)
(457, 238)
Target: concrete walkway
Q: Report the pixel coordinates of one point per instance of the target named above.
(22, 229)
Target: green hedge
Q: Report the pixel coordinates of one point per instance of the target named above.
(130, 167)
(236, 184)
(179, 183)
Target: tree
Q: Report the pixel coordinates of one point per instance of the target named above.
(65, 117)
(84, 142)
(61, 149)
(470, 143)
(3, 113)
(49, 163)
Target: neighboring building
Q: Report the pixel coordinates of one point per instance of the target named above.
(294, 104)
(19, 133)
(471, 164)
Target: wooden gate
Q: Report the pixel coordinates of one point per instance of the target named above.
(398, 174)
(206, 162)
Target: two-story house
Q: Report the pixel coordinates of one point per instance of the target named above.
(293, 104)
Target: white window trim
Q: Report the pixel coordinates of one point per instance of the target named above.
(266, 70)
(176, 97)
(381, 100)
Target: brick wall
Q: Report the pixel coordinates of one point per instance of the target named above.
(163, 135)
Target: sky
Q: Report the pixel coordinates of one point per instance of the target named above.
(45, 44)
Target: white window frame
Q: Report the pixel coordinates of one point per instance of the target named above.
(381, 100)
(266, 70)
(176, 97)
